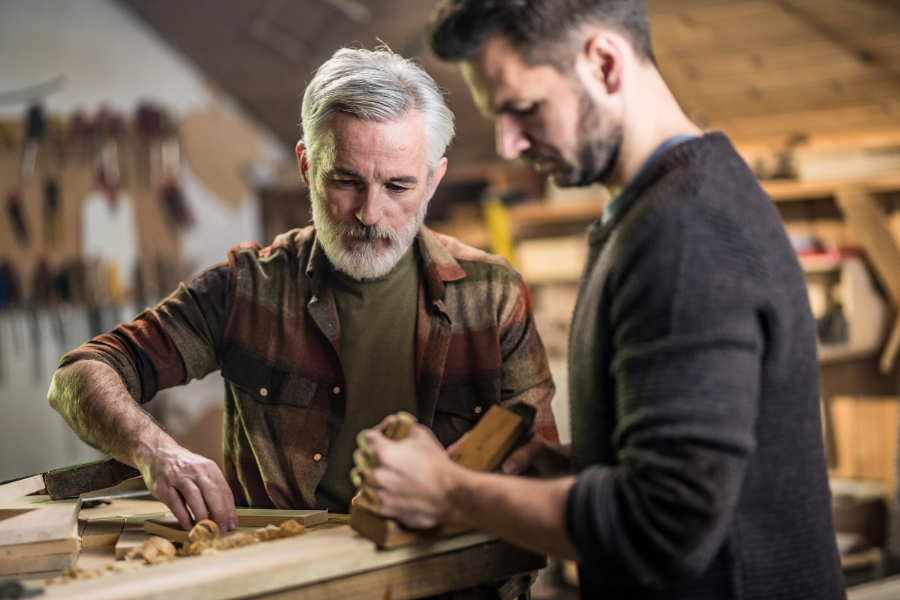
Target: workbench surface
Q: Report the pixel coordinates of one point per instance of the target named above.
(330, 561)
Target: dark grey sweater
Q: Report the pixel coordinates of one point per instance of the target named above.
(695, 395)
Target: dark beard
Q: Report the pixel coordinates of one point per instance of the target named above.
(597, 151)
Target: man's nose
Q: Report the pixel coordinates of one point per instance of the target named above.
(511, 138)
(371, 209)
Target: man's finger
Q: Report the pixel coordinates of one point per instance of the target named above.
(212, 498)
(175, 501)
(194, 499)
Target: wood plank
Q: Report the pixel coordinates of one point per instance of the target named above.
(248, 520)
(22, 487)
(266, 568)
(124, 507)
(38, 519)
(37, 564)
(102, 532)
(65, 546)
(260, 517)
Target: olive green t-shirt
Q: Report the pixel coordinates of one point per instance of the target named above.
(378, 341)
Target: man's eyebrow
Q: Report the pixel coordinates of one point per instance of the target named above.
(345, 172)
(408, 179)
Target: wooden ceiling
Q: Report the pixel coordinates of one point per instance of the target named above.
(776, 70)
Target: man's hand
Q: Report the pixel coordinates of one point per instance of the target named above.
(408, 480)
(546, 458)
(184, 480)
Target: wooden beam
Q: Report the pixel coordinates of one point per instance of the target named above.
(865, 216)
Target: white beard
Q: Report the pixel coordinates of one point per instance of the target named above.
(368, 257)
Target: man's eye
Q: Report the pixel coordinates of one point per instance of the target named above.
(345, 182)
(396, 188)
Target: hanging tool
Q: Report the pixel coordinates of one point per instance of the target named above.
(53, 223)
(35, 127)
(17, 214)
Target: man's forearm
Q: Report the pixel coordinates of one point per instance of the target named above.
(527, 512)
(93, 400)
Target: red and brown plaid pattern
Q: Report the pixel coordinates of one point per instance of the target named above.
(267, 319)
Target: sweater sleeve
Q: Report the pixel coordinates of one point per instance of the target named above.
(688, 340)
(171, 344)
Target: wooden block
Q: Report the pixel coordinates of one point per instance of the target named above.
(102, 532)
(483, 448)
(22, 487)
(133, 534)
(37, 564)
(38, 519)
(490, 440)
(66, 546)
(260, 517)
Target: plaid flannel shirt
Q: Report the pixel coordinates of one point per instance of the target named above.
(267, 319)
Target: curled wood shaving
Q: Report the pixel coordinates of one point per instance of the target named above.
(155, 550)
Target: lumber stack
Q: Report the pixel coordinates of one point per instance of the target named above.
(38, 534)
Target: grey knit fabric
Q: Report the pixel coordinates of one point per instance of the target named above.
(695, 397)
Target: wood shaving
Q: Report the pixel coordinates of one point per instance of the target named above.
(204, 540)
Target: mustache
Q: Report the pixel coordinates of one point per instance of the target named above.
(367, 232)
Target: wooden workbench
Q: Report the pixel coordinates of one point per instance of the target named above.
(333, 562)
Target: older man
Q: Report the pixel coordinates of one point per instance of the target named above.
(697, 462)
(331, 328)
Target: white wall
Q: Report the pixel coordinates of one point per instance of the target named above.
(105, 55)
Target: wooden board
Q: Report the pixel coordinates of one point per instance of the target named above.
(38, 519)
(123, 507)
(102, 532)
(22, 487)
(270, 567)
(260, 517)
(37, 564)
(248, 520)
(481, 449)
(14, 551)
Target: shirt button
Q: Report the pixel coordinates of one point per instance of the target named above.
(336, 391)
(317, 457)
(477, 410)
(263, 392)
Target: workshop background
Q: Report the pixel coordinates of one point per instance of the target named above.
(141, 139)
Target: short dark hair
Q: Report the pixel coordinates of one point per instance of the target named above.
(542, 31)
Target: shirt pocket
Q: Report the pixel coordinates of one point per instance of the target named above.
(265, 382)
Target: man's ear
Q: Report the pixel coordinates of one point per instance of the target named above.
(604, 54)
(439, 171)
(303, 161)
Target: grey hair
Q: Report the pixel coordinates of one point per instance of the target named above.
(374, 85)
